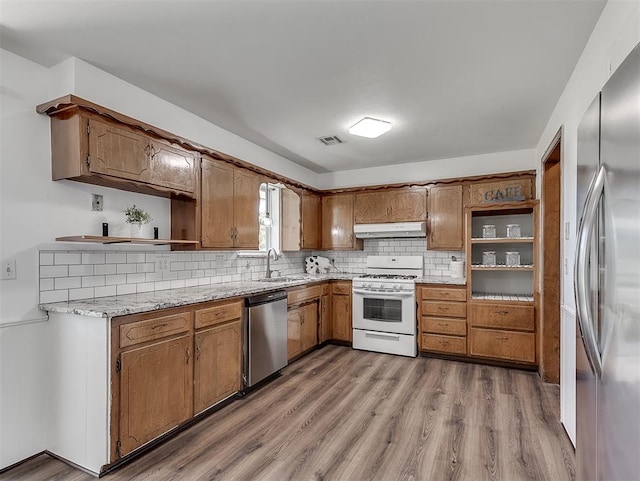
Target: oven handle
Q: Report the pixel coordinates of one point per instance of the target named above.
(390, 295)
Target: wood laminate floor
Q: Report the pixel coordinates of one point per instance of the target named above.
(346, 415)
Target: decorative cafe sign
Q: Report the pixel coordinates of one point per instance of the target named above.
(504, 194)
(515, 190)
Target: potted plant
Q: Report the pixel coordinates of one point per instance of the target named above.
(136, 217)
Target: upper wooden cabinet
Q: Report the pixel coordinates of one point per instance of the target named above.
(337, 222)
(230, 205)
(311, 220)
(398, 205)
(88, 148)
(301, 220)
(446, 218)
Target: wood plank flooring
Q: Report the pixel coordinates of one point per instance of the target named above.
(340, 414)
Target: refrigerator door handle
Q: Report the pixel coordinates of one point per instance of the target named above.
(583, 306)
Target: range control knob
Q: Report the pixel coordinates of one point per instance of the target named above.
(397, 286)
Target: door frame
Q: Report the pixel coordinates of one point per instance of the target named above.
(551, 255)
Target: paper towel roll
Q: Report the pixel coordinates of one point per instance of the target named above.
(456, 268)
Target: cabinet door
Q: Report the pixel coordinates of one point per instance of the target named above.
(445, 218)
(218, 364)
(309, 334)
(290, 225)
(311, 221)
(246, 208)
(341, 317)
(294, 332)
(337, 222)
(372, 207)
(408, 205)
(119, 152)
(156, 391)
(217, 203)
(325, 318)
(173, 167)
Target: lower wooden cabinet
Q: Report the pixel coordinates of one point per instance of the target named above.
(502, 331)
(303, 317)
(170, 365)
(325, 315)
(341, 325)
(442, 310)
(156, 391)
(218, 364)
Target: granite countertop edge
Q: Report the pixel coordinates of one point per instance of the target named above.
(113, 306)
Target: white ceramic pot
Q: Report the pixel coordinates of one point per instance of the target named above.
(136, 230)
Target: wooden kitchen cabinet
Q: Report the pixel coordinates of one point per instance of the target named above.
(86, 147)
(446, 218)
(396, 205)
(303, 316)
(152, 376)
(341, 324)
(337, 222)
(442, 312)
(218, 353)
(311, 220)
(325, 315)
(230, 205)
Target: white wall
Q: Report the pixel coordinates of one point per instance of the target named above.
(615, 34)
(509, 161)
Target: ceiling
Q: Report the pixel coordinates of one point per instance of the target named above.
(455, 78)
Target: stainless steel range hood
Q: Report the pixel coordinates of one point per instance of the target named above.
(395, 229)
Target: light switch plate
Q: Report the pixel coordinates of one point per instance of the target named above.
(9, 270)
(97, 202)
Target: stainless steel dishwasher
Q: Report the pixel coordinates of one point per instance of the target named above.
(265, 336)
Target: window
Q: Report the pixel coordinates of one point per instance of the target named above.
(269, 217)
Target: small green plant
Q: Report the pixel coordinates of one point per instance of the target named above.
(135, 215)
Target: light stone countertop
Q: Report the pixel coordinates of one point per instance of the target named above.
(457, 281)
(151, 301)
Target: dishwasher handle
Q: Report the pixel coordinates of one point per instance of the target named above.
(265, 298)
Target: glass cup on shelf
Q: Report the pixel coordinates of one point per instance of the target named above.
(513, 258)
(513, 230)
(489, 258)
(489, 231)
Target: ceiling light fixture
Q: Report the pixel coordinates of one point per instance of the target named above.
(370, 128)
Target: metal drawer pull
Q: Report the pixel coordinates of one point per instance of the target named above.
(502, 312)
(502, 338)
(443, 309)
(164, 324)
(382, 335)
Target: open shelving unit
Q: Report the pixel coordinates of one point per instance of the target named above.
(513, 283)
(95, 239)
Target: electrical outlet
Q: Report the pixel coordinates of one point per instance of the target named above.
(162, 264)
(9, 270)
(96, 202)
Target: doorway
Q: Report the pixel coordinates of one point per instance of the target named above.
(551, 261)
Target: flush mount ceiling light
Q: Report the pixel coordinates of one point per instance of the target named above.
(371, 128)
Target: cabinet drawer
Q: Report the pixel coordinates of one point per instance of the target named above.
(447, 309)
(508, 345)
(447, 344)
(218, 314)
(341, 288)
(155, 328)
(502, 316)
(296, 296)
(442, 325)
(444, 293)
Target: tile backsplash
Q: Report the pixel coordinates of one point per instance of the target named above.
(71, 275)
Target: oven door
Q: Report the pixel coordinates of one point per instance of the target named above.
(384, 311)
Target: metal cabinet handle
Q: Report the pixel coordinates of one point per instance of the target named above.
(164, 324)
(197, 352)
(502, 338)
(502, 313)
(583, 306)
(443, 309)
(187, 356)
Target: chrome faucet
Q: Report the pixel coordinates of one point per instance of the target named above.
(275, 258)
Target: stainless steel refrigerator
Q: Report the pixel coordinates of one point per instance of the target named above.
(607, 281)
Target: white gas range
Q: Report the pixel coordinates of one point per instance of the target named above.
(384, 305)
